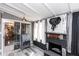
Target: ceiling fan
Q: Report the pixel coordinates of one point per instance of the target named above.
(24, 19)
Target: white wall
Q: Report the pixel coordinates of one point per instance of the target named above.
(60, 28)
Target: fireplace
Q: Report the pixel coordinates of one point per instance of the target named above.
(56, 42)
(55, 48)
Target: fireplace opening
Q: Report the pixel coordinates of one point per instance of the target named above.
(55, 48)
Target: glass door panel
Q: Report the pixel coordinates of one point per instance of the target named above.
(25, 37)
(9, 33)
(17, 35)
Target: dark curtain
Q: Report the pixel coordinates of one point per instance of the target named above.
(75, 34)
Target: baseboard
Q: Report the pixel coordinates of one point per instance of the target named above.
(40, 45)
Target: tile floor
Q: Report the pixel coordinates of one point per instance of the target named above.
(32, 51)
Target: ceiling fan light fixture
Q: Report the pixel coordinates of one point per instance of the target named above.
(24, 19)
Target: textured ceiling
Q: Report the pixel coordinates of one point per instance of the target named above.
(38, 11)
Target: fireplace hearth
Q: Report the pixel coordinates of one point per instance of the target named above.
(55, 48)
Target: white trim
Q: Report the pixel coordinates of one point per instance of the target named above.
(2, 47)
(7, 20)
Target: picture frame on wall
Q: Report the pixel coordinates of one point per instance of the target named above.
(60, 27)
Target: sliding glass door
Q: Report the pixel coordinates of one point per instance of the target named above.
(7, 36)
(17, 37)
(25, 35)
(22, 35)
